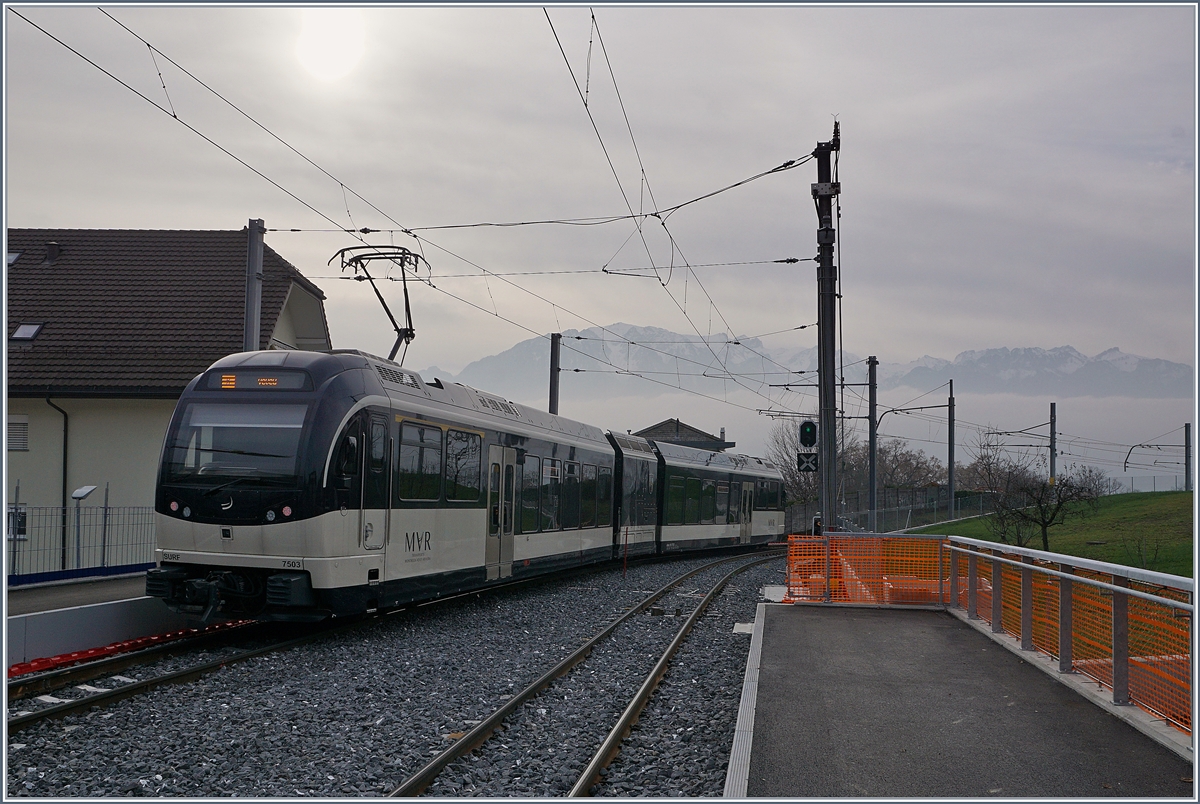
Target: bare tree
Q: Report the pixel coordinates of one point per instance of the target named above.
(1026, 502)
(783, 444)
(896, 464)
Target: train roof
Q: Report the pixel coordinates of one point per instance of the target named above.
(676, 455)
(399, 381)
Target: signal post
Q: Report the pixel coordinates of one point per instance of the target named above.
(823, 192)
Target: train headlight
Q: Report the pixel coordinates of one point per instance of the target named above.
(270, 516)
(287, 510)
(174, 505)
(187, 511)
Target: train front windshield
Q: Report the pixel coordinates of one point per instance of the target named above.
(221, 441)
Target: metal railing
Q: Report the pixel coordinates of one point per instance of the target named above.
(1126, 628)
(50, 542)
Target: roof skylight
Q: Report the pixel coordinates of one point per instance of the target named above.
(26, 332)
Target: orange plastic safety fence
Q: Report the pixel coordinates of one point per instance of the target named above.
(873, 570)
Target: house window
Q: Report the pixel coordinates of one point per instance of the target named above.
(13, 256)
(26, 332)
(18, 433)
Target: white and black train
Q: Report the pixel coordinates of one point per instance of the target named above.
(300, 485)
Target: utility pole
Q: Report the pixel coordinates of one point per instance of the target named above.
(872, 362)
(254, 277)
(950, 453)
(823, 192)
(1187, 456)
(1053, 440)
(555, 346)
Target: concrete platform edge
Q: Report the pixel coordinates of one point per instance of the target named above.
(1154, 728)
(737, 774)
(51, 633)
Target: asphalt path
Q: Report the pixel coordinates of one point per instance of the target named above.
(901, 703)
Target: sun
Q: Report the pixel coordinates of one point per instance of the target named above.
(331, 41)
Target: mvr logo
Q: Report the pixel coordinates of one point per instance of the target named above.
(416, 542)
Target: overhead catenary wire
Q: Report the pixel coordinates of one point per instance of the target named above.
(624, 196)
(273, 182)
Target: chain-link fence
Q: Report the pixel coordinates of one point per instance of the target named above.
(1150, 483)
(899, 509)
(49, 542)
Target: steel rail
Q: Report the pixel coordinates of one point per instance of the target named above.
(612, 743)
(50, 680)
(24, 686)
(178, 677)
(422, 779)
(191, 673)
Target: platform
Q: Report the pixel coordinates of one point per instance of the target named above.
(47, 597)
(865, 702)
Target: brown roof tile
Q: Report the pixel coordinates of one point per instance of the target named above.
(132, 311)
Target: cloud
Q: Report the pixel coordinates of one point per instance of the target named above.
(1006, 170)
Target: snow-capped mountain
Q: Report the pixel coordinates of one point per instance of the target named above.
(602, 360)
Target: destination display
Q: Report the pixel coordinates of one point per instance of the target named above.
(258, 380)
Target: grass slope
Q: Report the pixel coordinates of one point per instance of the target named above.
(1161, 521)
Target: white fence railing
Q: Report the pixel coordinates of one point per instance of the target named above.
(49, 541)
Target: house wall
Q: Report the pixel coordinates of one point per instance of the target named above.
(114, 441)
(301, 324)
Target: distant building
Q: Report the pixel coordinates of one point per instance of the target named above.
(107, 327)
(674, 431)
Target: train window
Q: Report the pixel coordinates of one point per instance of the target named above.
(587, 494)
(691, 509)
(675, 497)
(767, 496)
(735, 503)
(604, 496)
(570, 495)
(378, 446)
(494, 501)
(649, 481)
(508, 499)
(347, 462)
(722, 503)
(529, 479)
(419, 473)
(550, 494)
(638, 505)
(227, 440)
(464, 453)
(708, 501)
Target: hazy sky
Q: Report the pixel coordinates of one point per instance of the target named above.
(1012, 176)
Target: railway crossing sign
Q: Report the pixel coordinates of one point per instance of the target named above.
(806, 461)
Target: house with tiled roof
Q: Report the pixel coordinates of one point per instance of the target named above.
(106, 327)
(673, 431)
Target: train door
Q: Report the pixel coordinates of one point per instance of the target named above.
(376, 501)
(747, 511)
(502, 465)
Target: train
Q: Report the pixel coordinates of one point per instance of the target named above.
(298, 486)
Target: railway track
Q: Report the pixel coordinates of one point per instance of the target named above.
(609, 745)
(30, 701)
(33, 709)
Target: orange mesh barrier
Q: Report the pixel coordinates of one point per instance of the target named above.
(873, 570)
(912, 570)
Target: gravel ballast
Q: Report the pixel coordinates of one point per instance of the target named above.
(355, 713)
